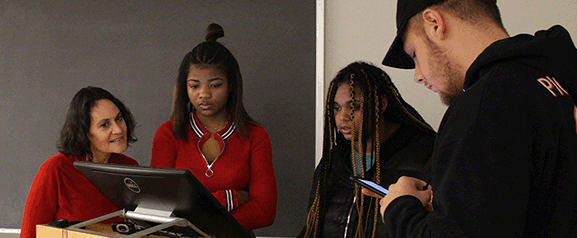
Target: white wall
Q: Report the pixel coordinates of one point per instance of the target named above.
(363, 30)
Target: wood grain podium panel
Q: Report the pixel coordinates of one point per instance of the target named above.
(44, 231)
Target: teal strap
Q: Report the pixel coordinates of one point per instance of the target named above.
(369, 162)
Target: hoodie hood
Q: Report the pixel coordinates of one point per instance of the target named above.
(551, 51)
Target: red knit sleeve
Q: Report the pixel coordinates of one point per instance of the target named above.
(164, 147)
(42, 200)
(227, 198)
(260, 210)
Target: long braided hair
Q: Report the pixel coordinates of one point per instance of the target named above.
(374, 85)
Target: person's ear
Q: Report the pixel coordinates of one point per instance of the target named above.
(384, 104)
(434, 24)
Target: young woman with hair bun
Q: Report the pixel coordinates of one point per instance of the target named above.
(211, 134)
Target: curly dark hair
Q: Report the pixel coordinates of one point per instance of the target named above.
(74, 139)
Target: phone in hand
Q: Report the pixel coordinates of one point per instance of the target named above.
(378, 189)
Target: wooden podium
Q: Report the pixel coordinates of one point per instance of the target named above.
(45, 231)
(93, 229)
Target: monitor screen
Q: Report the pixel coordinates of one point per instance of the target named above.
(174, 191)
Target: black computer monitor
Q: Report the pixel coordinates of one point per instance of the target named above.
(163, 189)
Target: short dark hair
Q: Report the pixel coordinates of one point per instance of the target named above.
(472, 11)
(209, 53)
(74, 139)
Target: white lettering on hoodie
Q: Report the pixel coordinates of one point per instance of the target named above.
(551, 84)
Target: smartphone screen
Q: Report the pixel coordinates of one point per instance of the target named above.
(371, 186)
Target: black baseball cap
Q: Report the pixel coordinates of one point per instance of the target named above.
(396, 56)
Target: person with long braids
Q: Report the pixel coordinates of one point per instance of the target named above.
(369, 132)
(211, 134)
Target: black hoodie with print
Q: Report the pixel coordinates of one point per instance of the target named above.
(505, 158)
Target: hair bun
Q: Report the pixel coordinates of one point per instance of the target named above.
(213, 32)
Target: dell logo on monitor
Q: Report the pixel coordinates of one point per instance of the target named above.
(130, 184)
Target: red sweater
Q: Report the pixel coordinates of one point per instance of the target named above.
(60, 191)
(244, 164)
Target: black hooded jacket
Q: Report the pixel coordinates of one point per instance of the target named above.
(505, 159)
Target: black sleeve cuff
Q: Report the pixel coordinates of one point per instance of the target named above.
(405, 217)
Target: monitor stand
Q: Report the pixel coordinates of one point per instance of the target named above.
(163, 218)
